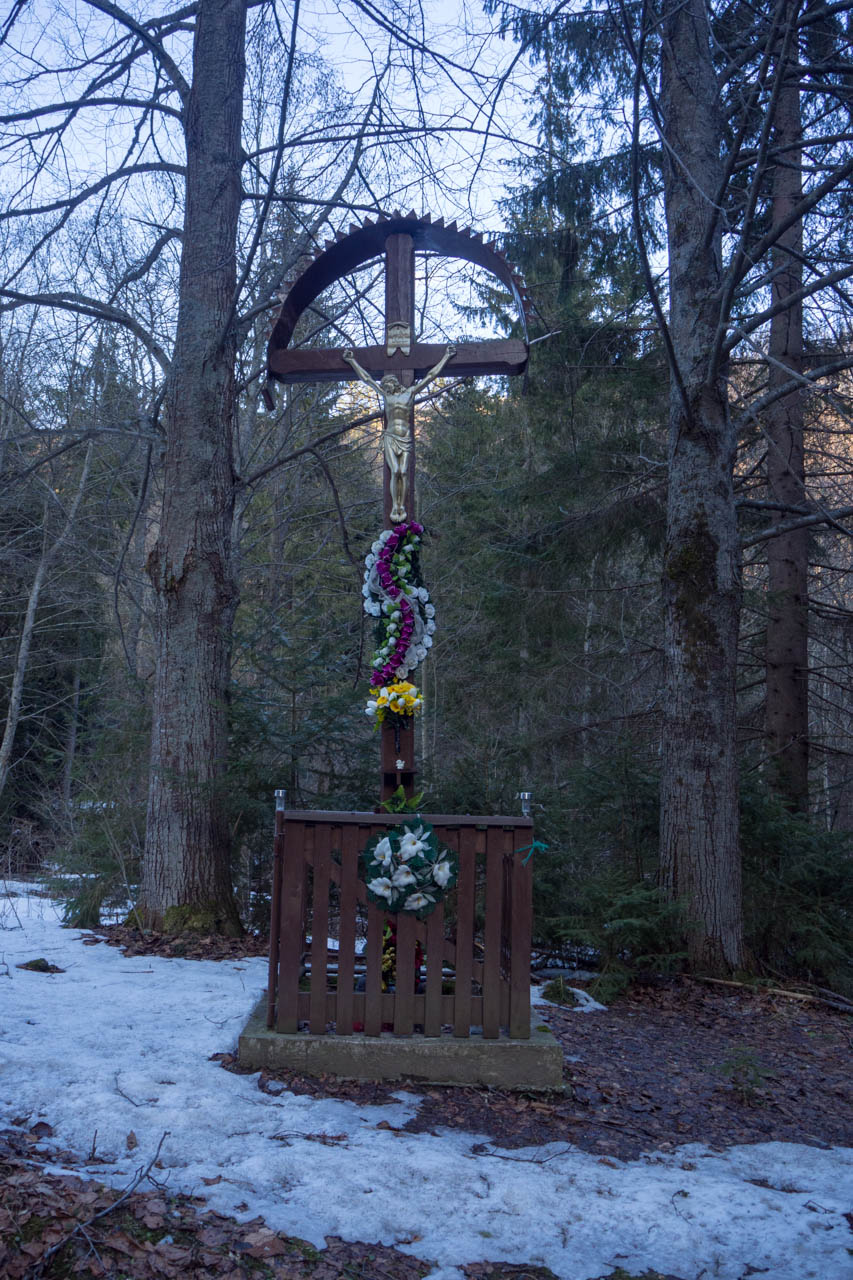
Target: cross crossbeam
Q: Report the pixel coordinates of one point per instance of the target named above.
(500, 355)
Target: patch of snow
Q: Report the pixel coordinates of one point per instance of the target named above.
(120, 1043)
(585, 1002)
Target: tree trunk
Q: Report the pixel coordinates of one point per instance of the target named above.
(71, 743)
(48, 555)
(787, 705)
(700, 860)
(186, 873)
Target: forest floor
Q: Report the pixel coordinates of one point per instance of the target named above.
(674, 1064)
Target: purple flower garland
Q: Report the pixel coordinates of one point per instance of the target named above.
(406, 625)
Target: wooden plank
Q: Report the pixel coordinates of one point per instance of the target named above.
(305, 1007)
(464, 931)
(496, 843)
(373, 976)
(400, 281)
(381, 821)
(506, 938)
(521, 926)
(405, 980)
(398, 744)
(434, 964)
(320, 928)
(496, 355)
(445, 1016)
(290, 936)
(275, 916)
(475, 1015)
(346, 935)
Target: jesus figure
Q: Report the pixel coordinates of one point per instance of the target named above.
(397, 401)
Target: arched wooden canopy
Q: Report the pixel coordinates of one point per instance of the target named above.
(351, 250)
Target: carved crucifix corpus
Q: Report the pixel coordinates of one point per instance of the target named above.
(397, 403)
(398, 369)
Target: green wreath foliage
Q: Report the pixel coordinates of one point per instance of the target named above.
(407, 870)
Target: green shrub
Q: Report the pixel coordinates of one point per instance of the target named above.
(596, 885)
(798, 891)
(633, 930)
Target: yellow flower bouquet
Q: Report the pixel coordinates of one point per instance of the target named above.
(399, 699)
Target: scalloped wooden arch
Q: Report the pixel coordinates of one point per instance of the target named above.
(350, 250)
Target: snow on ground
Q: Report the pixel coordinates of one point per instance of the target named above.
(585, 1002)
(116, 1045)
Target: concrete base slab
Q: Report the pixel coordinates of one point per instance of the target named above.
(536, 1063)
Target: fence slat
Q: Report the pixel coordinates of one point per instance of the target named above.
(346, 932)
(434, 964)
(465, 903)
(373, 976)
(506, 939)
(275, 916)
(320, 928)
(290, 929)
(405, 977)
(522, 927)
(496, 843)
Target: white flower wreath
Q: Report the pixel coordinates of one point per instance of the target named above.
(408, 870)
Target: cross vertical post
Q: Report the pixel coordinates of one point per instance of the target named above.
(397, 743)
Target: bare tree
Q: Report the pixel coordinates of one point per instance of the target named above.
(717, 197)
(181, 180)
(51, 549)
(787, 657)
(699, 842)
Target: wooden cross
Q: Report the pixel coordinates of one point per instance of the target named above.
(409, 360)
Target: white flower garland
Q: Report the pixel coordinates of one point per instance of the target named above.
(394, 595)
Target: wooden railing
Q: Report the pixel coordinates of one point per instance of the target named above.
(475, 945)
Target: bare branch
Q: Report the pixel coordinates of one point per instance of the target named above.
(804, 522)
(55, 108)
(72, 201)
(155, 47)
(789, 300)
(88, 307)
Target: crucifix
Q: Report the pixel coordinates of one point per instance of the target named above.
(397, 370)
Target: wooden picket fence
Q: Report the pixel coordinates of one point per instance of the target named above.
(475, 945)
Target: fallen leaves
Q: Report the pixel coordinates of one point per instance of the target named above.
(54, 1226)
(184, 946)
(265, 1244)
(645, 1075)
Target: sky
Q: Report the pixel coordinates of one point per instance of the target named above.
(118, 1044)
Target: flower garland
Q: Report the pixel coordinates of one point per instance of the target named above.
(395, 596)
(408, 870)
